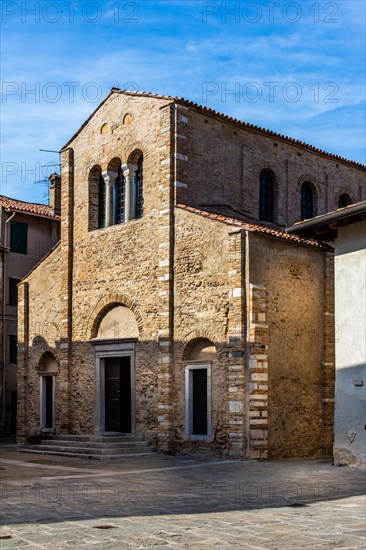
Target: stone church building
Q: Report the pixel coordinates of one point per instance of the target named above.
(175, 306)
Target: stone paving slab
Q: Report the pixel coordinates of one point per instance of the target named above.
(179, 503)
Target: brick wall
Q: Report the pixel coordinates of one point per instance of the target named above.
(220, 163)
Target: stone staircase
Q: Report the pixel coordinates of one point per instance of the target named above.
(97, 447)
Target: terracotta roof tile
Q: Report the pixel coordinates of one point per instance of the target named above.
(27, 207)
(216, 114)
(255, 227)
(248, 125)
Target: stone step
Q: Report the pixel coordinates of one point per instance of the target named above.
(90, 456)
(98, 438)
(96, 450)
(94, 444)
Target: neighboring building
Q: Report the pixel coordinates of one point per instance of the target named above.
(347, 227)
(27, 232)
(180, 308)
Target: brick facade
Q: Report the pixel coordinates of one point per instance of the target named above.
(206, 290)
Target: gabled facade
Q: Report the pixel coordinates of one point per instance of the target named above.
(178, 313)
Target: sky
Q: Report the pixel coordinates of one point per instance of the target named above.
(297, 68)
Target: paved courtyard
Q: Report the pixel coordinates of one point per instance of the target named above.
(168, 503)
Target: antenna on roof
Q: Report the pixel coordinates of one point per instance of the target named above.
(44, 181)
(46, 192)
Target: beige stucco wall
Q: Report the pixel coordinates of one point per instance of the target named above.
(350, 319)
(43, 233)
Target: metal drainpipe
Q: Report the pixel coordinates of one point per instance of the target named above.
(3, 316)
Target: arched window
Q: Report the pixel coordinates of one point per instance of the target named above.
(119, 199)
(266, 197)
(344, 200)
(101, 201)
(138, 199)
(307, 201)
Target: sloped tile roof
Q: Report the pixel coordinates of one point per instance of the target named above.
(216, 114)
(255, 227)
(27, 207)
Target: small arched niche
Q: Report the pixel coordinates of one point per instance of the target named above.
(48, 364)
(200, 350)
(127, 119)
(105, 128)
(119, 322)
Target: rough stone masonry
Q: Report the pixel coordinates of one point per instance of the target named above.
(224, 320)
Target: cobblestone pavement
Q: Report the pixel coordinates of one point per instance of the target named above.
(168, 503)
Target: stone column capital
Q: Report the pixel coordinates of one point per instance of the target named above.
(113, 175)
(108, 180)
(129, 169)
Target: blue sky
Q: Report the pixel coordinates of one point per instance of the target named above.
(294, 67)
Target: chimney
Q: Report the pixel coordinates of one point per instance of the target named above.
(55, 194)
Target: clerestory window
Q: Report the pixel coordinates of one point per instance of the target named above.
(344, 200)
(266, 197)
(308, 200)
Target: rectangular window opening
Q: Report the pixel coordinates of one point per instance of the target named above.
(13, 348)
(47, 402)
(13, 291)
(18, 237)
(198, 401)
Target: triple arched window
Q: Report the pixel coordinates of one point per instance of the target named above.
(308, 201)
(266, 197)
(116, 196)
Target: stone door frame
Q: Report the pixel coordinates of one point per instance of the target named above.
(104, 349)
(43, 401)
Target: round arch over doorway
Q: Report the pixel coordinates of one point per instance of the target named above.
(115, 331)
(103, 306)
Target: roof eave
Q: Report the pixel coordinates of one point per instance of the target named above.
(35, 214)
(227, 119)
(326, 224)
(87, 121)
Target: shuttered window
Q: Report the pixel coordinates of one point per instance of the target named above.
(13, 349)
(13, 291)
(18, 237)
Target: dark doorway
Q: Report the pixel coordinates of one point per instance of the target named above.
(13, 413)
(199, 405)
(48, 393)
(118, 394)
